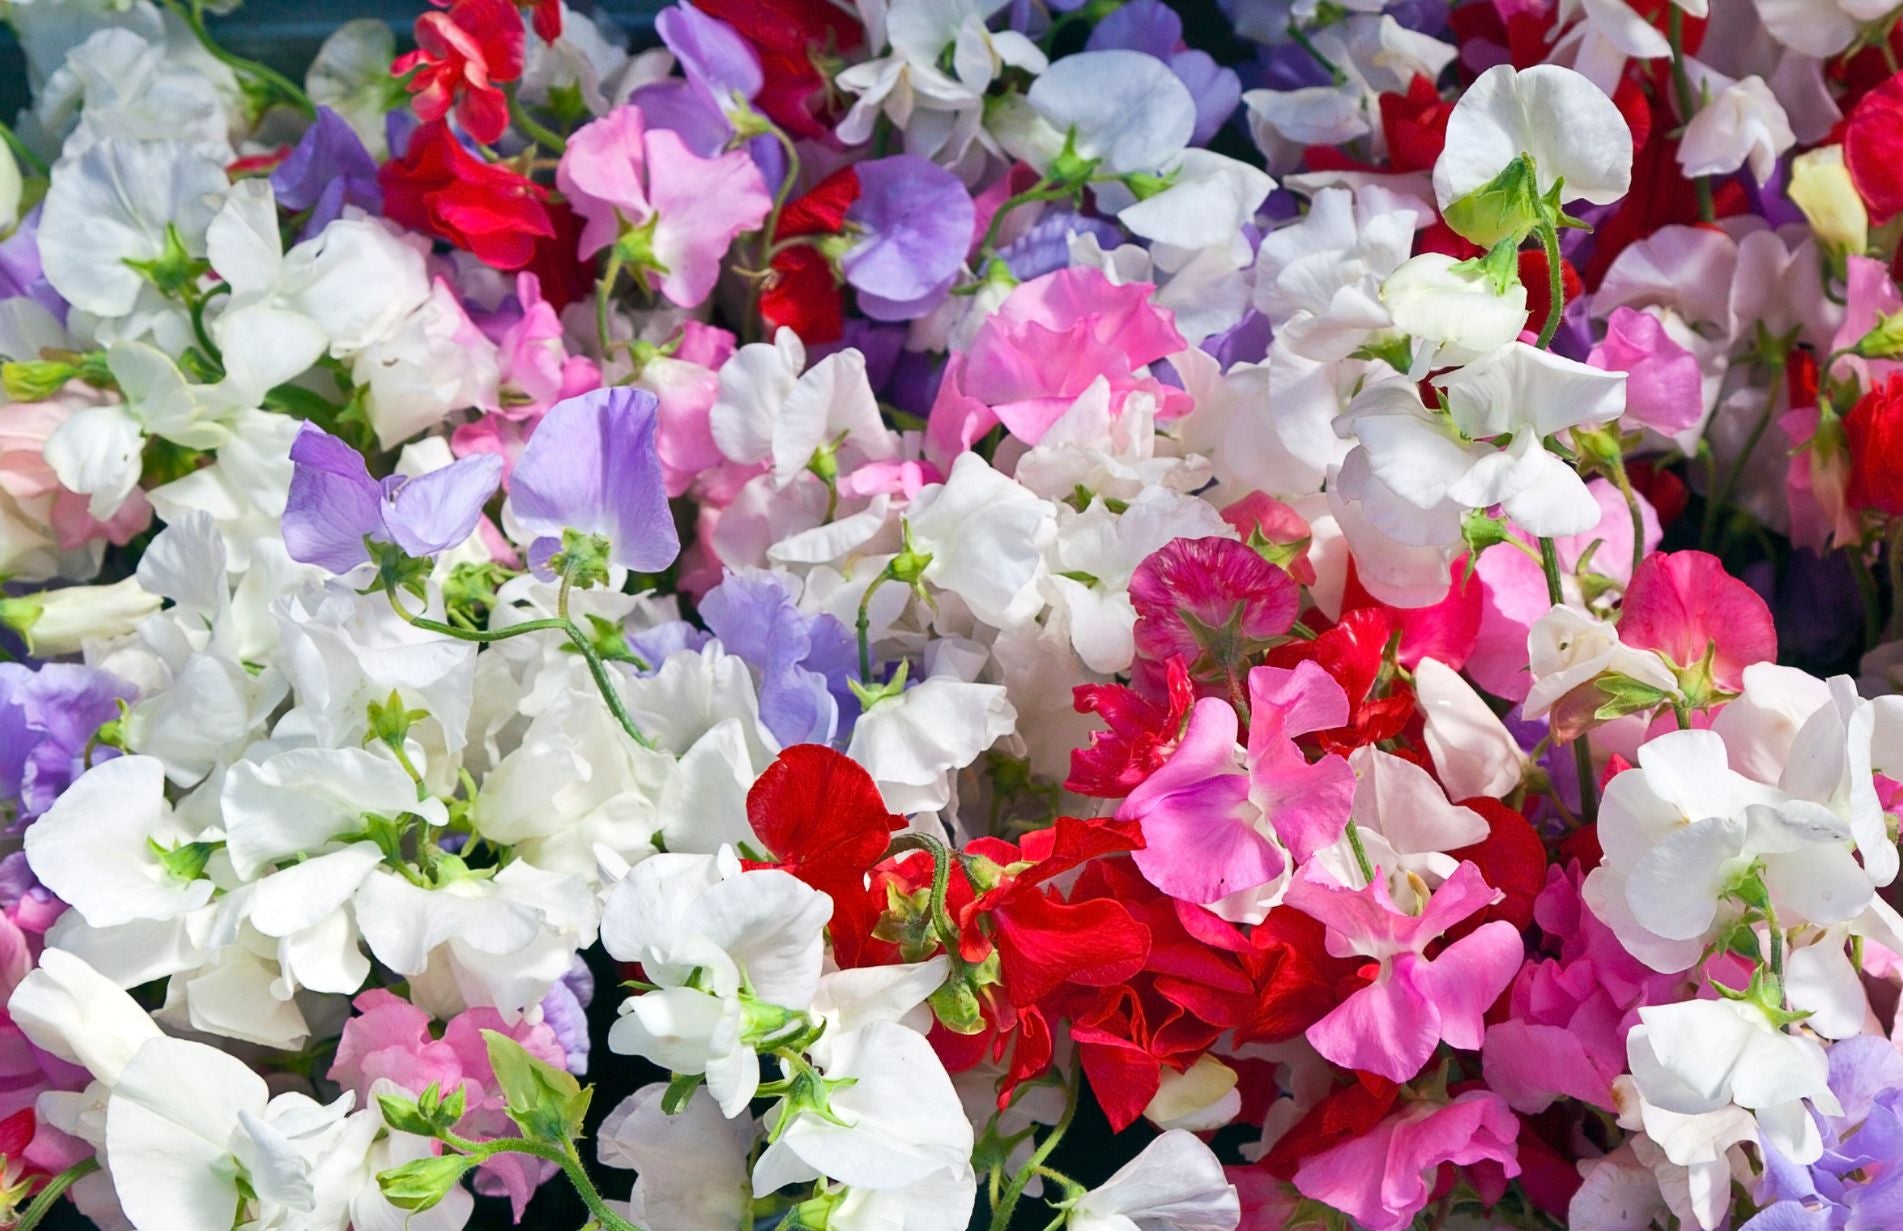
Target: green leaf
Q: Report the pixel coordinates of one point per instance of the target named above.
(547, 1103)
(420, 1184)
(402, 1113)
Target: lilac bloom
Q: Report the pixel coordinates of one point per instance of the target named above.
(565, 1011)
(656, 645)
(1152, 27)
(334, 504)
(1044, 247)
(591, 466)
(715, 60)
(21, 276)
(1857, 1185)
(47, 717)
(804, 660)
(326, 170)
(916, 219)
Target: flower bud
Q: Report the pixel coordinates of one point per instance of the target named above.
(61, 621)
(1821, 187)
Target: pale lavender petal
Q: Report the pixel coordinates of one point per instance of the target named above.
(1149, 26)
(333, 503)
(917, 218)
(712, 55)
(436, 511)
(591, 466)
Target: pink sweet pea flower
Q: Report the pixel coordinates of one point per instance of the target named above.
(1391, 1026)
(536, 370)
(1308, 802)
(1384, 1177)
(686, 382)
(620, 176)
(1682, 603)
(1044, 346)
(1664, 388)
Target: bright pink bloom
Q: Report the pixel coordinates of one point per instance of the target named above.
(1308, 802)
(1384, 1177)
(1044, 346)
(1664, 389)
(1391, 1026)
(620, 175)
(1215, 602)
(389, 1039)
(1683, 603)
(535, 367)
(686, 383)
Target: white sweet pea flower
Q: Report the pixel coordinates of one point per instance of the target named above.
(1406, 826)
(691, 1166)
(891, 1120)
(1175, 1184)
(1451, 310)
(114, 204)
(690, 693)
(1820, 28)
(1689, 1162)
(1208, 198)
(433, 362)
(913, 743)
(1123, 109)
(1563, 122)
(986, 536)
(185, 1123)
(824, 418)
(69, 1009)
(1738, 122)
(1761, 723)
(113, 848)
(1474, 754)
(122, 84)
(296, 801)
(350, 74)
(1567, 648)
(1604, 34)
(1830, 765)
(1700, 1056)
(735, 957)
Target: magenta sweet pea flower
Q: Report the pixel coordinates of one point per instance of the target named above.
(916, 219)
(591, 467)
(623, 176)
(334, 504)
(1391, 1026)
(1214, 601)
(1664, 388)
(1683, 604)
(1382, 1178)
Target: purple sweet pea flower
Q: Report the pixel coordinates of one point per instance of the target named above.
(804, 660)
(917, 222)
(334, 504)
(47, 717)
(654, 646)
(714, 58)
(565, 1011)
(21, 275)
(591, 466)
(1152, 27)
(1858, 1181)
(326, 170)
(1045, 247)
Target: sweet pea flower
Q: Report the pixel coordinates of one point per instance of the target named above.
(1555, 116)
(326, 170)
(464, 53)
(914, 221)
(674, 211)
(1739, 122)
(1382, 1177)
(334, 505)
(48, 716)
(1664, 385)
(691, 1164)
(1685, 607)
(1175, 1184)
(591, 467)
(1392, 1026)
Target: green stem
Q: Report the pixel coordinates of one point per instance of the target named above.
(1353, 833)
(54, 1190)
(1716, 501)
(1043, 190)
(286, 89)
(1582, 747)
(534, 129)
(1624, 483)
(942, 922)
(1555, 283)
(21, 152)
(604, 295)
(863, 626)
(1867, 591)
(1001, 1213)
(769, 242)
(596, 667)
(563, 1156)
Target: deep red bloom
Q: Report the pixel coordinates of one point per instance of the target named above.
(1215, 602)
(1353, 653)
(1141, 733)
(804, 294)
(1873, 149)
(461, 55)
(1681, 603)
(1296, 981)
(1511, 858)
(821, 816)
(546, 18)
(16, 1134)
(1415, 125)
(792, 39)
(1875, 431)
(441, 189)
(1448, 631)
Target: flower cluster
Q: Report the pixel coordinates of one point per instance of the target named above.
(1040, 615)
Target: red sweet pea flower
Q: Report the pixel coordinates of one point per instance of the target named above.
(820, 814)
(441, 189)
(792, 38)
(1875, 430)
(1511, 858)
(1141, 733)
(460, 57)
(1681, 603)
(1354, 652)
(546, 16)
(1295, 980)
(1346, 1114)
(1214, 602)
(804, 294)
(1415, 125)
(1873, 149)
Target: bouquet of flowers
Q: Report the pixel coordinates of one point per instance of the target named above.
(1059, 614)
